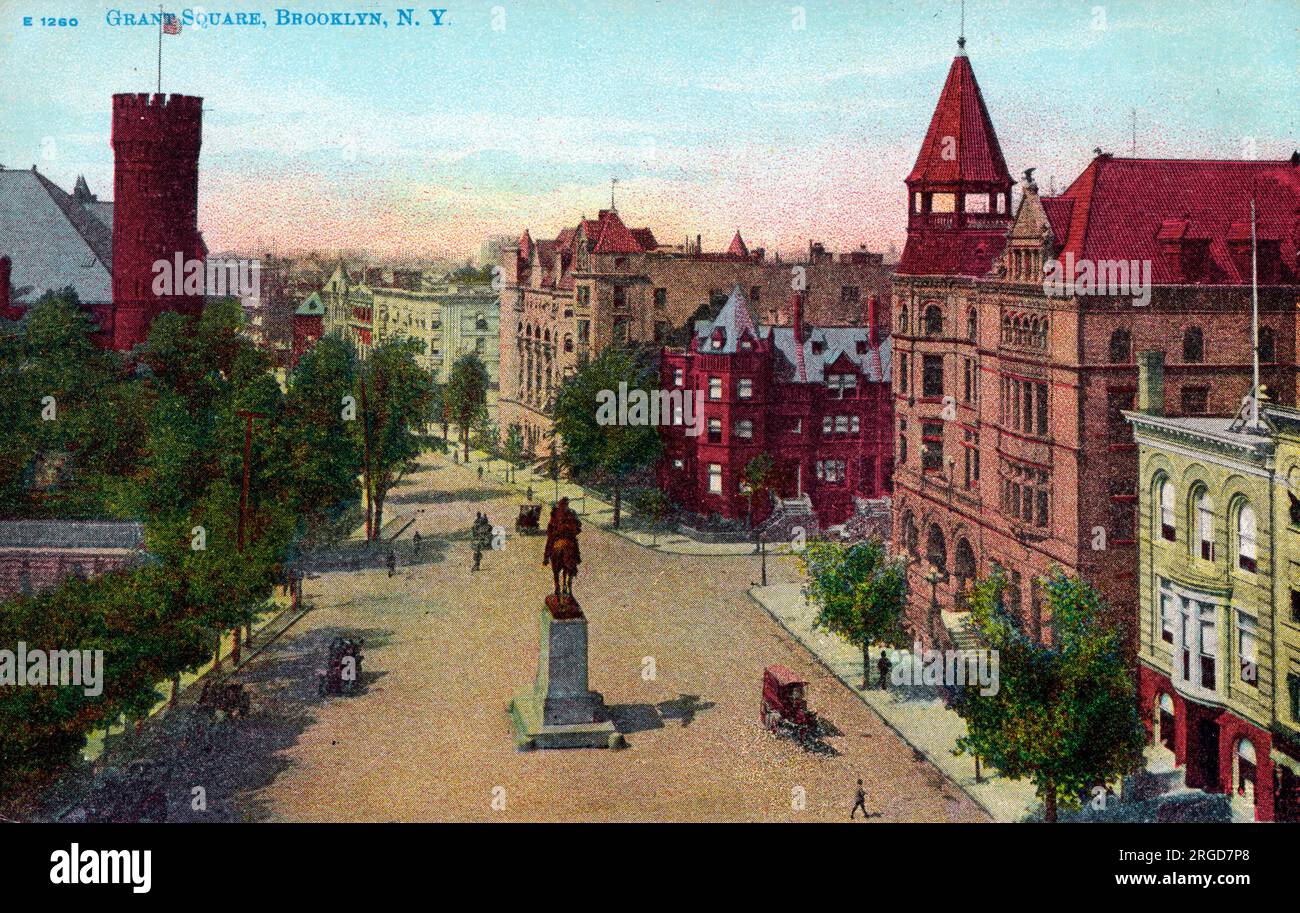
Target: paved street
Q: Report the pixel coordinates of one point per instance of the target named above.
(429, 738)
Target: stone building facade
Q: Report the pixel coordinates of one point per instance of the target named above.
(1219, 599)
(447, 319)
(1012, 450)
(600, 283)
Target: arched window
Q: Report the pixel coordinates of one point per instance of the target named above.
(972, 325)
(933, 320)
(902, 320)
(1266, 348)
(1205, 524)
(1246, 538)
(568, 343)
(1006, 329)
(1121, 347)
(936, 550)
(1193, 345)
(910, 536)
(1167, 519)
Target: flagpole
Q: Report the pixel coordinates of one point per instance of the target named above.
(1254, 321)
(161, 14)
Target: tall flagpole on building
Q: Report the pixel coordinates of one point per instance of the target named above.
(161, 16)
(1254, 321)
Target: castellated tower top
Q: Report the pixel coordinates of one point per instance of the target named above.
(157, 126)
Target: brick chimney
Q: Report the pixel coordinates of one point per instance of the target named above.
(796, 317)
(1151, 383)
(871, 321)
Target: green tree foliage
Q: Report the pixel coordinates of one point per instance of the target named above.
(164, 442)
(72, 417)
(466, 395)
(591, 447)
(319, 445)
(394, 396)
(1063, 716)
(860, 593)
(758, 475)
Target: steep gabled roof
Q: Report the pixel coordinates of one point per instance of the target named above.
(738, 248)
(973, 153)
(734, 321)
(614, 236)
(1126, 209)
(52, 240)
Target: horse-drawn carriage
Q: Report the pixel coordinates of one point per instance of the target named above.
(785, 704)
(228, 698)
(131, 795)
(342, 673)
(529, 521)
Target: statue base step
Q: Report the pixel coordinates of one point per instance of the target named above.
(561, 711)
(527, 714)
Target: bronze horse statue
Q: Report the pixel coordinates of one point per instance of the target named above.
(562, 552)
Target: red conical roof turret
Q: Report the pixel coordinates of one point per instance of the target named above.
(961, 145)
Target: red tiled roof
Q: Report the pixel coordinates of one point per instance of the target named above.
(1125, 209)
(614, 236)
(960, 114)
(526, 245)
(1057, 210)
(645, 237)
(950, 253)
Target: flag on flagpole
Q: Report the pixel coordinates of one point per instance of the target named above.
(171, 24)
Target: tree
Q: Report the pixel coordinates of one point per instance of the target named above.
(758, 475)
(1063, 715)
(654, 505)
(394, 398)
(593, 444)
(466, 394)
(860, 593)
(318, 447)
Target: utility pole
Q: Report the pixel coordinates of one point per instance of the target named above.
(248, 417)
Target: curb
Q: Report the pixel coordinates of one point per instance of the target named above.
(898, 732)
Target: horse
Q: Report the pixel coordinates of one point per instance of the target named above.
(564, 565)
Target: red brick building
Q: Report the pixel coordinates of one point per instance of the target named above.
(105, 251)
(156, 143)
(601, 283)
(1012, 447)
(815, 399)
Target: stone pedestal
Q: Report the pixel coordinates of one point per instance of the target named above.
(560, 711)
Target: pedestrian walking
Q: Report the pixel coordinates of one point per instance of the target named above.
(884, 665)
(859, 802)
(416, 539)
(480, 473)
(391, 561)
(530, 493)
(478, 556)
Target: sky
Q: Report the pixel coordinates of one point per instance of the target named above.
(791, 121)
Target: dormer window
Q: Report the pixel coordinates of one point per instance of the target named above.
(718, 339)
(747, 344)
(817, 346)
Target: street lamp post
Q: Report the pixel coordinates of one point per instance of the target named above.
(249, 418)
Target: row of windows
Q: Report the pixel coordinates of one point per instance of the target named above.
(1191, 624)
(1024, 406)
(1201, 520)
(1025, 494)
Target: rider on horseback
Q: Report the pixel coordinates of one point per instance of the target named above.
(562, 551)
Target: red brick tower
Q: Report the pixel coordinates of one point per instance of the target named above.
(156, 143)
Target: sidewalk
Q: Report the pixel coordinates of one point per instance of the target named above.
(921, 720)
(594, 509)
